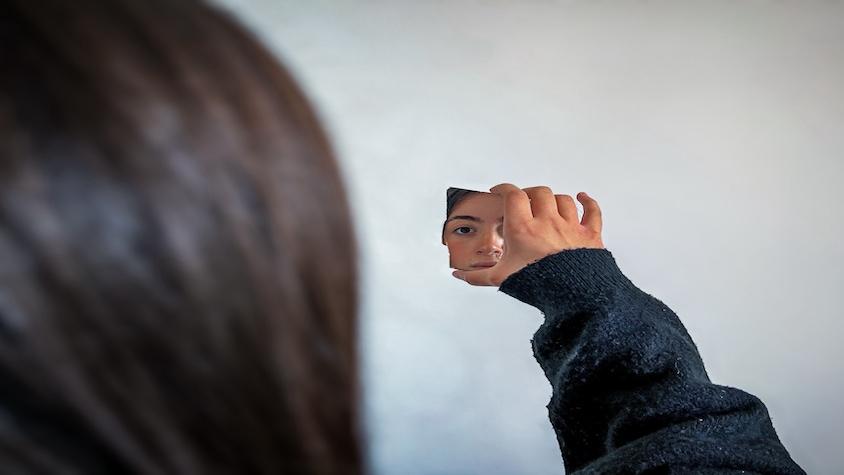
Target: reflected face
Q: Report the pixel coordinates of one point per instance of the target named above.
(474, 232)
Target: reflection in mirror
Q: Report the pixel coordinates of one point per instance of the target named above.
(473, 229)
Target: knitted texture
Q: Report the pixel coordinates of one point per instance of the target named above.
(629, 390)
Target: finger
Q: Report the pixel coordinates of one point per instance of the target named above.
(591, 212)
(502, 188)
(475, 277)
(566, 207)
(542, 201)
(516, 205)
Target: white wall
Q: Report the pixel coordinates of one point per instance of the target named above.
(711, 133)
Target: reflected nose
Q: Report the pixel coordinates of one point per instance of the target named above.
(491, 244)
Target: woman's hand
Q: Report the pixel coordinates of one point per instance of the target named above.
(538, 223)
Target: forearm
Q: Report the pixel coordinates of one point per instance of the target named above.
(629, 390)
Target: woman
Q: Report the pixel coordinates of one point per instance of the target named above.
(630, 392)
(175, 294)
(177, 297)
(472, 230)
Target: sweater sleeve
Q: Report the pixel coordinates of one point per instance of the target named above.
(629, 390)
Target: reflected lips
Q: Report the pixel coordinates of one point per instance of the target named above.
(484, 264)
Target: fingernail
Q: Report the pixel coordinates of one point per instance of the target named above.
(456, 276)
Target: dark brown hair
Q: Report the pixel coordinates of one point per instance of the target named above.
(178, 267)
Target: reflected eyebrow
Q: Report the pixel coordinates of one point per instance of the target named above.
(472, 218)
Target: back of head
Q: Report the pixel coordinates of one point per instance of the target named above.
(177, 258)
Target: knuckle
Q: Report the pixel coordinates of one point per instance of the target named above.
(566, 197)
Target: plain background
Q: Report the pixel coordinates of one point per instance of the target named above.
(710, 132)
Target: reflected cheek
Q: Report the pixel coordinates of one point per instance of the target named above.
(460, 250)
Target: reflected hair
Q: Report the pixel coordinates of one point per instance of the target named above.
(178, 267)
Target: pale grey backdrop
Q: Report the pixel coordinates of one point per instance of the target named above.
(711, 133)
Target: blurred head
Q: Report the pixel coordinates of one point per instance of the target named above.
(175, 296)
(474, 229)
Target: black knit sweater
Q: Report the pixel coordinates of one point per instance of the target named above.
(629, 390)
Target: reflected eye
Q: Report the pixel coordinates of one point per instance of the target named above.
(461, 227)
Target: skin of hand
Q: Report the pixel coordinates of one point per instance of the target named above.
(538, 223)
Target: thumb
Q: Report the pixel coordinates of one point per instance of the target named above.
(475, 277)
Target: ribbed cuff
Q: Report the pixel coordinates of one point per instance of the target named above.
(573, 278)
